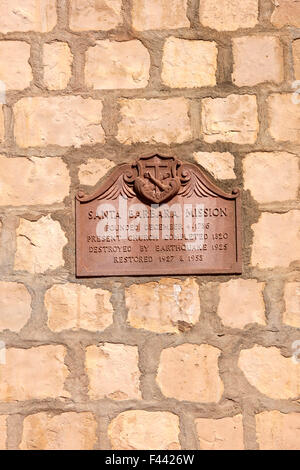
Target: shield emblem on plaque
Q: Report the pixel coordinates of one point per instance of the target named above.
(157, 179)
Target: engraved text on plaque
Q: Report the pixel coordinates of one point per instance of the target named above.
(158, 216)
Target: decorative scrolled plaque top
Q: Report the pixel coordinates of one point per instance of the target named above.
(158, 216)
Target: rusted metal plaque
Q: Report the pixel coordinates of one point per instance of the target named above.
(158, 216)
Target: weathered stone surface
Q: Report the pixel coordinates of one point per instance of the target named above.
(286, 13)
(276, 240)
(257, 59)
(113, 371)
(284, 116)
(15, 70)
(114, 64)
(58, 120)
(232, 119)
(219, 164)
(241, 303)
(166, 121)
(57, 62)
(75, 306)
(28, 15)
(93, 170)
(278, 431)
(271, 176)
(15, 306)
(66, 431)
(88, 15)
(189, 64)
(33, 374)
(296, 56)
(144, 430)
(36, 186)
(2, 130)
(159, 14)
(228, 15)
(291, 314)
(271, 373)
(35, 240)
(3, 432)
(220, 434)
(165, 306)
(190, 372)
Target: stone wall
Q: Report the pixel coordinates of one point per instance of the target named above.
(201, 362)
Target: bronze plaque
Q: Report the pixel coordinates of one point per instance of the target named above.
(158, 216)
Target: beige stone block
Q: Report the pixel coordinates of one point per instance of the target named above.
(15, 306)
(278, 431)
(15, 71)
(271, 176)
(144, 430)
(33, 374)
(189, 64)
(91, 171)
(58, 120)
(296, 57)
(241, 303)
(154, 121)
(291, 314)
(75, 306)
(27, 15)
(35, 241)
(276, 240)
(284, 117)
(3, 432)
(113, 371)
(257, 59)
(165, 306)
(159, 14)
(228, 15)
(57, 62)
(221, 434)
(2, 128)
(190, 372)
(274, 375)
(114, 64)
(36, 186)
(232, 119)
(219, 164)
(65, 431)
(286, 13)
(96, 15)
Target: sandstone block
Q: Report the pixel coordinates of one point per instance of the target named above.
(159, 14)
(190, 372)
(35, 240)
(58, 120)
(189, 64)
(271, 176)
(241, 303)
(271, 373)
(144, 430)
(15, 306)
(33, 374)
(276, 240)
(65, 431)
(35, 186)
(74, 306)
(232, 119)
(113, 64)
(153, 121)
(163, 307)
(113, 371)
